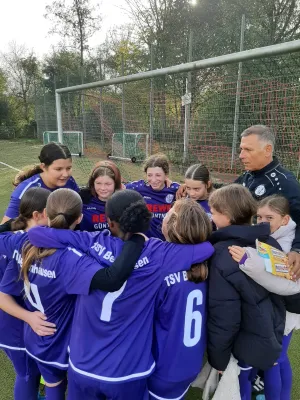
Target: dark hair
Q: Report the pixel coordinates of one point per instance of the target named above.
(199, 172)
(189, 224)
(236, 202)
(276, 203)
(105, 168)
(49, 153)
(63, 207)
(128, 208)
(157, 160)
(34, 199)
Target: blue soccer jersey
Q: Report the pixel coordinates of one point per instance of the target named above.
(159, 202)
(54, 285)
(112, 332)
(34, 181)
(179, 328)
(94, 218)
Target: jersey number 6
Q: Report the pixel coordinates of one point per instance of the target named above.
(193, 319)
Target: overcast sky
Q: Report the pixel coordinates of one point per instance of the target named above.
(23, 21)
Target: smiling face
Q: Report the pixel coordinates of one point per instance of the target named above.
(266, 214)
(156, 177)
(255, 154)
(57, 174)
(104, 187)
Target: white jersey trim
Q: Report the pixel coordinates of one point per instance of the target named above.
(12, 348)
(27, 186)
(108, 379)
(167, 398)
(64, 366)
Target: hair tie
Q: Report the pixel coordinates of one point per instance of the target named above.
(69, 218)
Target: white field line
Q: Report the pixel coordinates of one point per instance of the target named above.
(9, 166)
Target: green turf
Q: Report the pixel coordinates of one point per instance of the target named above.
(21, 153)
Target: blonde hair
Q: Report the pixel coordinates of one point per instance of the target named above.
(276, 203)
(189, 224)
(236, 202)
(64, 207)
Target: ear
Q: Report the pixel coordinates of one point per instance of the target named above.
(43, 166)
(110, 223)
(209, 184)
(79, 219)
(36, 215)
(286, 220)
(268, 150)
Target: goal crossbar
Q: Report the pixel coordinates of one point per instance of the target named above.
(260, 52)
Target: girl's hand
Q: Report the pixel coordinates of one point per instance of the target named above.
(237, 252)
(181, 192)
(38, 323)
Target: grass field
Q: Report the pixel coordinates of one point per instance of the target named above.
(21, 153)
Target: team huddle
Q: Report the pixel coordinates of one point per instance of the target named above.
(116, 291)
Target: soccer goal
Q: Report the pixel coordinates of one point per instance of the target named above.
(72, 139)
(129, 146)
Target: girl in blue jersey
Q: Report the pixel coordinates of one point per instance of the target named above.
(52, 279)
(104, 180)
(180, 312)
(115, 330)
(31, 214)
(198, 185)
(53, 172)
(158, 196)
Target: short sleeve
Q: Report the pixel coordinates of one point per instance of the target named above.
(80, 271)
(11, 282)
(184, 255)
(12, 210)
(8, 243)
(73, 185)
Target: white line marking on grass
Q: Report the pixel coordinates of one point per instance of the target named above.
(9, 166)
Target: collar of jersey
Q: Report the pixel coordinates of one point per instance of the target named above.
(268, 168)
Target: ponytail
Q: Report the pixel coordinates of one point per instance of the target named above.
(135, 218)
(19, 223)
(27, 172)
(31, 255)
(198, 273)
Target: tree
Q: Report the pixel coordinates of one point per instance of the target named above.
(75, 22)
(21, 70)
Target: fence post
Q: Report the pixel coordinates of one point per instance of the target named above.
(187, 111)
(123, 108)
(238, 96)
(59, 117)
(151, 101)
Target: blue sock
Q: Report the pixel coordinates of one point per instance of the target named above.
(26, 388)
(57, 392)
(286, 379)
(272, 379)
(245, 384)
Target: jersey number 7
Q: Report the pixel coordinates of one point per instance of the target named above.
(108, 302)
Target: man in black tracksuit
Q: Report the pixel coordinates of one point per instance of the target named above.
(265, 176)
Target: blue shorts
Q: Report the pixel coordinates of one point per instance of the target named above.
(24, 365)
(163, 390)
(50, 373)
(83, 387)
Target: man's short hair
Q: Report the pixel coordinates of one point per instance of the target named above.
(264, 133)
